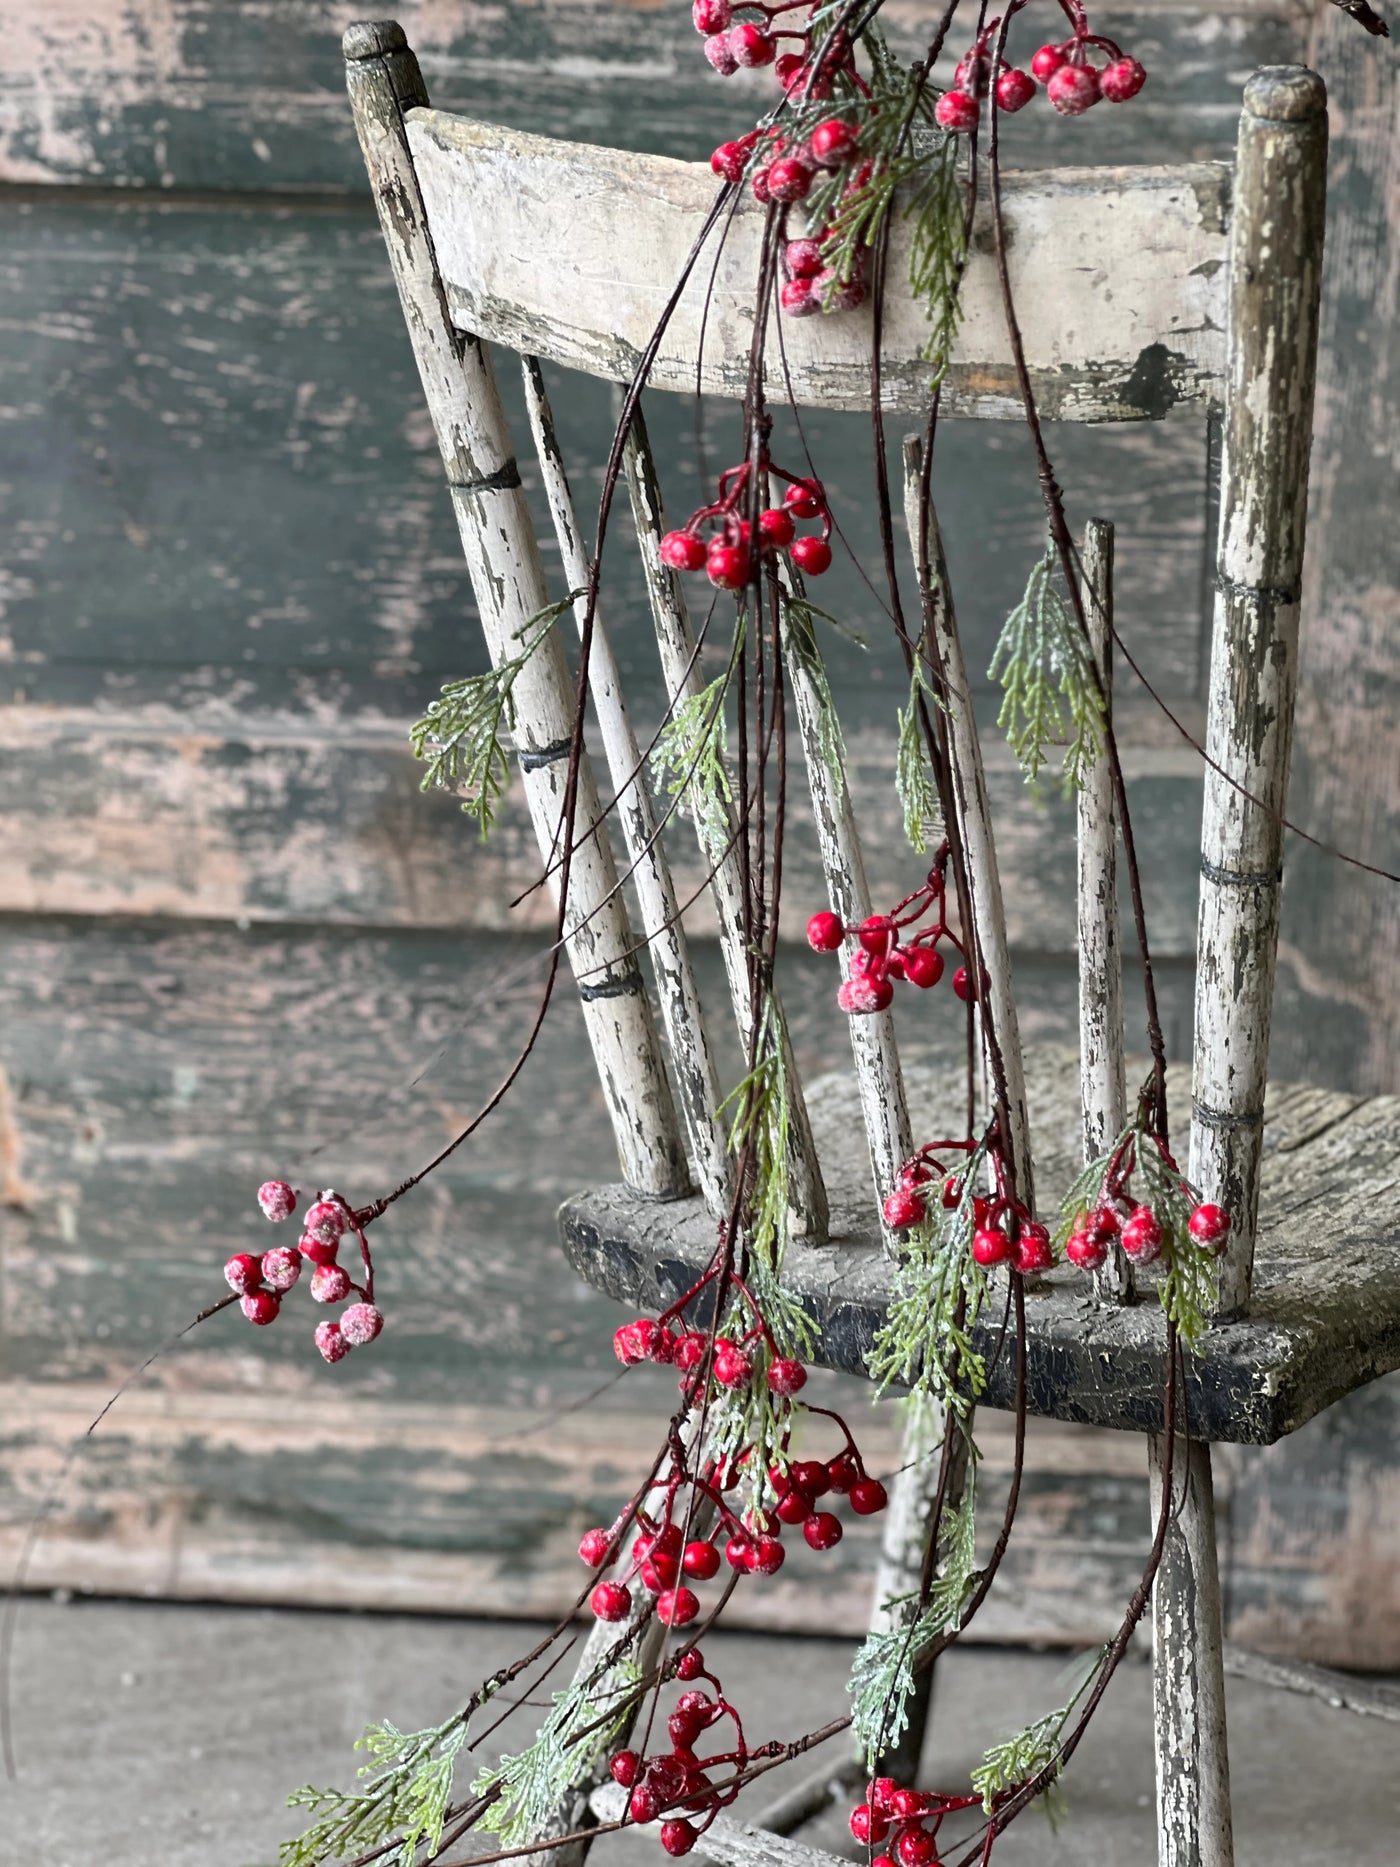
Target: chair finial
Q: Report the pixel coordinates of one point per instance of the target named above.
(1285, 94)
(372, 38)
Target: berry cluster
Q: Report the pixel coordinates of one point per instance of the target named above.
(806, 74)
(1073, 81)
(261, 1281)
(1003, 1231)
(1117, 1215)
(903, 1823)
(678, 1778)
(884, 953)
(727, 556)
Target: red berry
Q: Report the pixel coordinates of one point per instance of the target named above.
(701, 1560)
(318, 1250)
(277, 1199)
(683, 551)
(952, 1192)
(786, 1376)
(1210, 1225)
(788, 69)
(610, 1601)
(825, 932)
(330, 1340)
(243, 1273)
(1073, 89)
(822, 1530)
(280, 1268)
(914, 1848)
(721, 54)
(727, 566)
(961, 983)
(876, 934)
(1015, 89)
(842, 1473)
(908, 1804)
(804, 258)
(904, 1208)
(1086, 1252)
(730, 160)
(625, 1768)
(923, 966)
(990, 1246)
(799, 299)
(736, 1552)
(626, 1346)
(833, 142)
(733, 1369)
(958, 112)
(1142, 1236)
(329, 1284)
(868, 1497)
(751, 46)
(683, 1727)
(767, 1556)
(325, 1220)
(838, 294)
(690, 1665)
(1047, 62)
(643, 1805)
(868, 1824)
(793, 1506)
(1122, 80)
(678, 1837)
(804, 499)
(677, 1607)
(968, 68)
(659, 1571)
(711, 15)
(361, 1324)
(667, 1541)
(810, 1475)
(812, 555)
(595, 1548)
(1104, 1224)
(789, 179)
(260, 1306)
(689, 1351)
(1033, 1250)
(860, 995)
(775, 526)
(882, 1794)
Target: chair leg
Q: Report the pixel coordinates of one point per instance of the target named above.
(1188, 1672)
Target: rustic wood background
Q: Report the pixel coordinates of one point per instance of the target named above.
(236, 939)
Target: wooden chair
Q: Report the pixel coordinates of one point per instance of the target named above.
(1196, 284)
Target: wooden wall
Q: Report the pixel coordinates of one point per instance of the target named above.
(236, 939)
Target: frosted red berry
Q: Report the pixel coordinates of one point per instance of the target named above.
(923, 966)
(882, 1794)
(825, 932)
(260, 1306)
(1073, 89)
(804, 258)
(1142, 1236)
(721, 54)
(957, 112)
(610, 1601)
(736, 1552)
(729, 161)
(625, 1768)
(243, 1273)
(786, 1376)
(914, 1848)
(277, 1200)
(325, 1219)
(789, 179)
(767, 1556)
(644, 1805)
(678, 1837)
(1015, 89)
(1033, 1250)
(317, 1250)
(682, 551)
(904, 1208)
(280, 1268)
(690, 1665)
(812, 555)
(822, 1530)
(361, 1324)
(868, 1825)
(799, 298)
(732, 1366)
(751, 46)
(838, 294)
(712, 15)
(677, 1607)
(595, 1548)
(1086, 1252)
(330, 1340)
(860, 995)
(329, 1284)
(1210, 1226)
(833, 142)
(1122, 79)
(1047, 62)
(868, 1497)
(990, 1246)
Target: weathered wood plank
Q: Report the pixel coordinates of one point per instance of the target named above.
(1096, 352)
(235, 96)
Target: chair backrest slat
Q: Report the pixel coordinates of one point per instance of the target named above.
(507, 575)
(678, 995)
(1119, 275)
(680, 669)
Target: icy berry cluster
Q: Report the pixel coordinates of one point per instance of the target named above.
(261, 1280)
(807, 72)
(1003, 1231)
(887, 949)
(679, 1779)
(1117, 1216)
(727, 553)
(902, 1824)
(1074, 79)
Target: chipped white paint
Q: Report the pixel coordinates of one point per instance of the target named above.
(508, 578)
(1119, 274)
(677, 993)
(1275, 278)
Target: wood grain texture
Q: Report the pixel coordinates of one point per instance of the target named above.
(244, 94)
(1132, 328)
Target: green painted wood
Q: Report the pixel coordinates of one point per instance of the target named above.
(243, 95)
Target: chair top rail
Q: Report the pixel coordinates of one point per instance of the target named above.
(569, 252)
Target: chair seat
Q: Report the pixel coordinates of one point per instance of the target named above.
(1326, 1311)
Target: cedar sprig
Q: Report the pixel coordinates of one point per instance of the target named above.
(1016, 1760)
(1051, 690)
